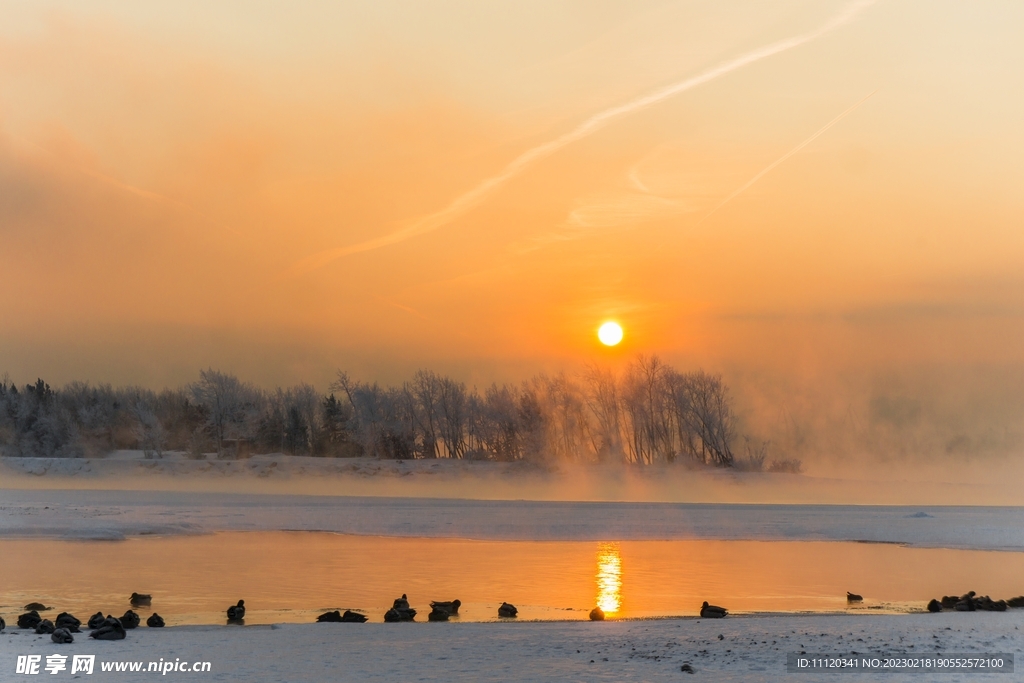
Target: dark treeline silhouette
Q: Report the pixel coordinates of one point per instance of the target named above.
(652, 413)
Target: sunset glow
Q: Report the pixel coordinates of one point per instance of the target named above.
(781, 191)
(406, 314)
(609, 578)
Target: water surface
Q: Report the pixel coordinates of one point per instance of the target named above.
(293, 576)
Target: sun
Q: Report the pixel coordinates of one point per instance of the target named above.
(610, 333)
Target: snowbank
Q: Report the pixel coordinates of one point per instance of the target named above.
(281, 474)
(731, 649)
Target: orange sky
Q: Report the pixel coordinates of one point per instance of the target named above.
(174, 175)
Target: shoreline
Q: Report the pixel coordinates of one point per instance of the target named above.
(487, 480)
(732, 649)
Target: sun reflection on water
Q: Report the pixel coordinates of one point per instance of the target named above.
(609, 577)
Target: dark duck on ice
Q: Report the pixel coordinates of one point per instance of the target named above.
(29, 619)
(236, 613)
(68, 621)
(130, 619)
(400, 611)
(349, 617)
(62, 636)
(712, 611)
(437, 614)
(111, 629)
(452, 608)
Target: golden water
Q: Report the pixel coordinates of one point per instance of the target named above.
(293, 576)
(609, 578)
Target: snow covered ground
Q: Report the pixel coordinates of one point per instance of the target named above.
(731, 649)
(97, 514)
(905, 484)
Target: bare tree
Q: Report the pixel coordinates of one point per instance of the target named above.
(646, 408)
(149, 431)
(385, 422)
(426, 390)
(567, 424)
(602, 398)
(497, 424)
(711, 417)
(532, 424)
(452, 404)
(232, 406)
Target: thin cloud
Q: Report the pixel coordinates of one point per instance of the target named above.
(785, 156)
(120, 185)
(628, 209)
(478, 194)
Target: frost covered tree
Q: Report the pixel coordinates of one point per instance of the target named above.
(650, 414)
(232, 407)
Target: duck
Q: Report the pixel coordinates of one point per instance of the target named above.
(394, 614)
(438, 614)
(111, 629)
(130, 620)
(949, 601)
(96, 620)
(155, 621)
(29, 619)
(140, 600)
(934, 606)
(507, 611)
(451, 608)
(1016, 602)
(62, 636)
(401, 609)
(597, 614)
(68, 621)
(350, 617)
(45, 626)
(329, 617)
(712, 611)
(966, 603)
(37, 606)
(853, 597)
(400, 614)
(989, 605)
(237, 612)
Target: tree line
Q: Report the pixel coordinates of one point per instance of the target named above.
(650, 413)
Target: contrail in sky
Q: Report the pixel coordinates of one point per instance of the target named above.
(784, 157)
(472, 198)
